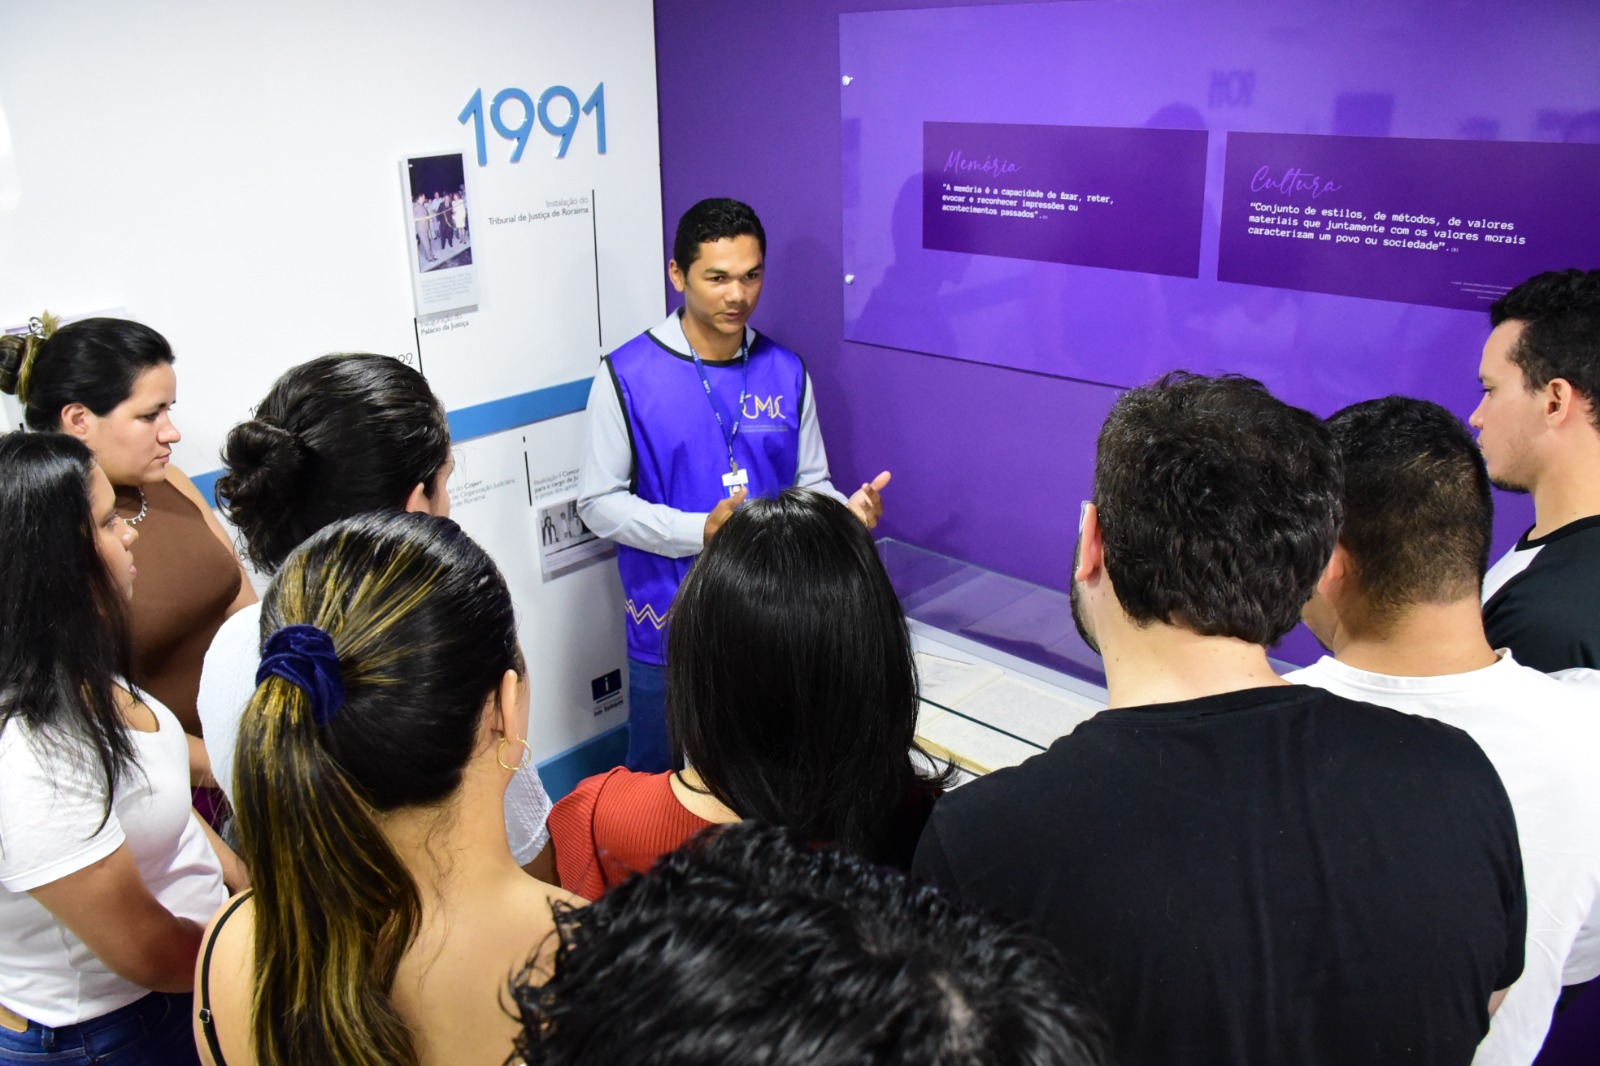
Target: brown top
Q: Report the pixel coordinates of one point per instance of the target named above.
(187, 580)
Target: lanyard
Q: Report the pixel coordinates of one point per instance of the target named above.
(722, 424)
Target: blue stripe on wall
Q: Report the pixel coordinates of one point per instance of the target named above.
(481, 420)
(513, 411)
(561, 773)
(207, 484)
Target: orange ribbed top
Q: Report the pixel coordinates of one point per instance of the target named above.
(614, 825)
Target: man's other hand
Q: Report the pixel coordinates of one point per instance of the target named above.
(867, 503)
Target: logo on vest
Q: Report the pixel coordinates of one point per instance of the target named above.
(772, 407)
(648, 614)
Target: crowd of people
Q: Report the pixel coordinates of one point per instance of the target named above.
(1389, 856)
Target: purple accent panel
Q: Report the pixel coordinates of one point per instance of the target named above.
(991, 458)
(1128, 199)
(1444, 223)
(1231, 67)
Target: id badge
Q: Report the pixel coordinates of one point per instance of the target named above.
(735, 480)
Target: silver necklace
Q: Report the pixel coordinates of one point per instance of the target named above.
(144, 507)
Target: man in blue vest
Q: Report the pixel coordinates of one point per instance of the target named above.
(685, 421)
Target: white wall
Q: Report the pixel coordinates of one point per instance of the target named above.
(230, 174)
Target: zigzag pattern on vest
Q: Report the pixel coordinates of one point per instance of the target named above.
(647, 615)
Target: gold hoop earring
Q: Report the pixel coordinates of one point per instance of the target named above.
(522, 763)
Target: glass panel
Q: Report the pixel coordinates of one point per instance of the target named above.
(1322, 195)
(1004, 613)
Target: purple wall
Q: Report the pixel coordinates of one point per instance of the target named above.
(989, 463)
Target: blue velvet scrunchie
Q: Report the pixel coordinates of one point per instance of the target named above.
(303, 656)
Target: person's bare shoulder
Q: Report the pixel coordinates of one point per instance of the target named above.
(224, 982)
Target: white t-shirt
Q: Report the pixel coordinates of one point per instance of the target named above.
(1541, 734)
(52, 799)
(1505, 568)
(228, 680)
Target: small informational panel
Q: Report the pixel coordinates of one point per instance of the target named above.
(1128, 199)
(443, 275)
(1420, 221)
(570, 620)
(564, 541)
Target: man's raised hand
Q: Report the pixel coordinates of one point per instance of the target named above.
(867, 503)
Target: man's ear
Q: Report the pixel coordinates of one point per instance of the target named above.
(1557, 399)
(1322, 610)
(1091, 545)
(1339, 569)
(1562, 402)
(77, 420)
(675, 275)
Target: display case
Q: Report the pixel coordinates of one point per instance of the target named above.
(1002, 669)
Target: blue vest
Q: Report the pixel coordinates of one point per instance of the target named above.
(680, 453)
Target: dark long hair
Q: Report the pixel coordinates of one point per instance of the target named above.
(65, 620)
(337, 436)
(93, 362)
(790, 684)
(424, 631)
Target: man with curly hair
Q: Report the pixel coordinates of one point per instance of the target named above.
(1241, 870)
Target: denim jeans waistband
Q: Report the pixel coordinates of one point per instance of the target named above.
(96, 1034)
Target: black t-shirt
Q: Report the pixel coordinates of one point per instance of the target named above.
(1549, 614)
(1272, 876)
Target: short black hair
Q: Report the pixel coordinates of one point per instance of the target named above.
(1219, 505)
(790, 683)
(714, 220)
(1418, 514)
(750, 945)
(1560, 337)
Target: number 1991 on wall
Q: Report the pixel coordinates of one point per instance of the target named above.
(567, 111)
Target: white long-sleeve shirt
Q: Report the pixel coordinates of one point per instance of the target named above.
(611, 510)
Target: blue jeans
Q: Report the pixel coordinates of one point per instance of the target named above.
(648, 750)
(154, 1031)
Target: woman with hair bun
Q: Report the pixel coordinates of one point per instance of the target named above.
(391, 714)
(338, 436)
(106, 876)
(110, 383)
(791, 697)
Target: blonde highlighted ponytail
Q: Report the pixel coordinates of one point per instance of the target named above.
(335, 906)
(422, 630)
